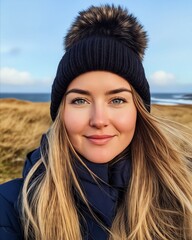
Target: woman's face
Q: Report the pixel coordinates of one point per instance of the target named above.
(99, 115)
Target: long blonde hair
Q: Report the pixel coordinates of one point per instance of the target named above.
(158, 201)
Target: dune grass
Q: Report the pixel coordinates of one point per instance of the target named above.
(178, 113)
(22, 123)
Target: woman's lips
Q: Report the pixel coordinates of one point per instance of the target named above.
(99, 139)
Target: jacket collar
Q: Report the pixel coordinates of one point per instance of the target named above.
(105, 194)
(115, 173)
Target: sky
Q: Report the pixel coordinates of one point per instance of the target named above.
(32, 33)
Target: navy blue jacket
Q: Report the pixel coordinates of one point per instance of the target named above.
(103, 198)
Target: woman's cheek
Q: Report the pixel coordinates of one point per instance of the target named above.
(75, 120)
(126, 120)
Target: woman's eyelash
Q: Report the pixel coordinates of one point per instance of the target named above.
(79, 101)
(115, 100)
(118, 100)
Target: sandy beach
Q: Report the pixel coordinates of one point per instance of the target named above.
(22, 124)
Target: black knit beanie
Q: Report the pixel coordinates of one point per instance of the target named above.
(103, 38)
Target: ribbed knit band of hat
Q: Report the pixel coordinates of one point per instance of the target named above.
(105, 38)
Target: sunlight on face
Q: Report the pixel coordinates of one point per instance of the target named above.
(99, 115)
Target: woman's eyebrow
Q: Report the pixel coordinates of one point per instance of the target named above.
(85, 92)
(77, 90)
(118, 90)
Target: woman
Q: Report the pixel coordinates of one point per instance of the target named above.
(107, 168)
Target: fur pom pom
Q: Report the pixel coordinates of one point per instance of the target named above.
(109, 21)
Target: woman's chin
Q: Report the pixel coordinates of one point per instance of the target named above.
(99, 158)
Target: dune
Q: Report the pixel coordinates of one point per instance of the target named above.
(22, 123)
(178, 113)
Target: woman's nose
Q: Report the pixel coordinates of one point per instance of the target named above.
(99, 117)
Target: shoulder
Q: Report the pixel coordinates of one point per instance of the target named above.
(10, 190)
(10, 226)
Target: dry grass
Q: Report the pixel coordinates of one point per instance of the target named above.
(178, 113)
(22, 124)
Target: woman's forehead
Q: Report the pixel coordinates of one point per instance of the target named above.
(94, 80)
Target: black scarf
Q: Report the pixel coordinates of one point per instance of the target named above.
(105, 195)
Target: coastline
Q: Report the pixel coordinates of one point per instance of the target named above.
(23, 122)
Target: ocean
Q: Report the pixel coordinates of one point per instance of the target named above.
(156, 98)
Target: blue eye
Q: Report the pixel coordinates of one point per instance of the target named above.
(117, 101)
(79, 101)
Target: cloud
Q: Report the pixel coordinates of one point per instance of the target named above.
(166, 82)
(12, 76)
(162, 78)
(12, 80)
(13, 51)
